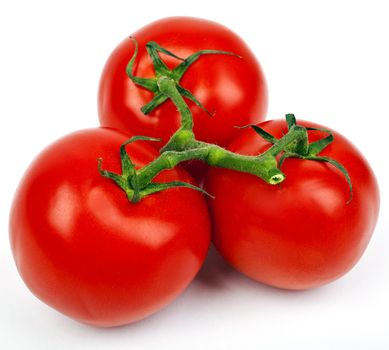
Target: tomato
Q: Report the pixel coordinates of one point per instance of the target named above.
(302, 233)
(84, 249)
(234, 88)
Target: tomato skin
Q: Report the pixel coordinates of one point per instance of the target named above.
(300, 234)
(84, 249)
(234, 87)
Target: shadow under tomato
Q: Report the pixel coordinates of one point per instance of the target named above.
(215, 271)
(217, 274)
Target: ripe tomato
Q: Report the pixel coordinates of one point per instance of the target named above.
(234, 88)
(302, 233)
(84, 249)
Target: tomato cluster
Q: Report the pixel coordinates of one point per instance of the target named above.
(109, 231)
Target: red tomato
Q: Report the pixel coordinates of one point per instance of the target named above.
(235, 88)
(84, 249)
(302, 233)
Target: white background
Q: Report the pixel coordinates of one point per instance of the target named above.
(325, 61)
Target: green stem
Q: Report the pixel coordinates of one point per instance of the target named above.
(264, 166)
(183, 147)
(167, 87)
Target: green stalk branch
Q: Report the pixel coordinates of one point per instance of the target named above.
(263, 166)
(167, 87)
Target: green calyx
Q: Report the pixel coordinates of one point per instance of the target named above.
(162, 72)
(301, 148)
(128, 181)
(183, 146)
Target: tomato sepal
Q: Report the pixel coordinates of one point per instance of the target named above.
(128, 180)
(162, 71)
(301, 148)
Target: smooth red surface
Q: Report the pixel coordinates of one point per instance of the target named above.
(299, 234)
(235, 88)
(84, 249)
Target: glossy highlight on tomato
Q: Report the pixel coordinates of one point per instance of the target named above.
(302, 233)
(84, 249)
(234, 88)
